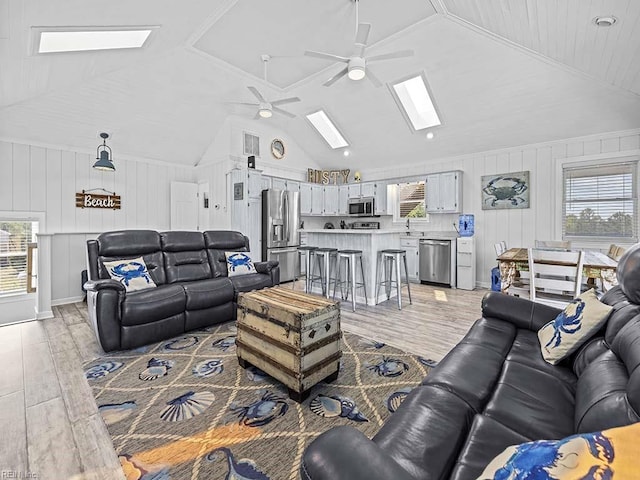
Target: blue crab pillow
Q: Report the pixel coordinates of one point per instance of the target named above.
(608, 455)
(576, 324)
(132, 273)
(239, 263)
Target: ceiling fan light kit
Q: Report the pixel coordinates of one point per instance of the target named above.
(356, 68)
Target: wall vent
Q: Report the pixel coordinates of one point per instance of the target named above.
(251, 144)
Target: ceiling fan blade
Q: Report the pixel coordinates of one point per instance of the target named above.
(389, 56)
(244, 103)
(326, 56)
(283, 112)
(257, 94)
(336, 77)
(362, 35)
(285, 100)
(373, 78)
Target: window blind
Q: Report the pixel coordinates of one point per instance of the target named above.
(15, 237)
(600, 201)
(411, 200)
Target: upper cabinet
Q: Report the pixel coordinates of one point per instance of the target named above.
(305, 199)
(444, 192)
(381, 198)
(284, 184)
(331, 200)
(368, 189)
(343, 200)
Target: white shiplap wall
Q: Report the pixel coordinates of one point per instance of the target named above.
(519, 228)
(40, 179)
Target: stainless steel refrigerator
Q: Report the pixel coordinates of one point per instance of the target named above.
(280, 230)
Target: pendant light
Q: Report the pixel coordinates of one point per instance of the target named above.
(103, 154)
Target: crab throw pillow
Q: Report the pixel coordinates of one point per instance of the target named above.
(576, 324)
(132, 273)
(611, 454)
(239, 263)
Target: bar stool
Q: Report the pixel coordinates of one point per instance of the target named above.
(308, 252)
(350, 258)
(391, 258)
(323, 262)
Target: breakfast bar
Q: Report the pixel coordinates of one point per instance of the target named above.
(369, 241)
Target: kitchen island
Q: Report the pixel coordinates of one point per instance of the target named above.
(369, 241)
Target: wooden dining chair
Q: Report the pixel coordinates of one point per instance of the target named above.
(615, 251)
(555, 277)
(499, 249)
(553, 244)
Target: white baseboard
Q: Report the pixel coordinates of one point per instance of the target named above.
(43, 315)
(64, 301)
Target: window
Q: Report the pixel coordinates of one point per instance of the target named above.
(600, 202)
(78, 39)
(413, 98)
(17, 239)
(325, 127)
(410, 200)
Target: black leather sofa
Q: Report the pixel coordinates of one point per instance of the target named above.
(494, 390)
(193, 289)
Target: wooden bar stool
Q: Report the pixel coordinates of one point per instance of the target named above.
(308, 252)
(391, 259)
(349, 258)
(323, 262)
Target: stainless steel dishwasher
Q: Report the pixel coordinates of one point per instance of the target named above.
(435, 261)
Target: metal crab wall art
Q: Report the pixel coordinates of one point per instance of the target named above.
(510, 190)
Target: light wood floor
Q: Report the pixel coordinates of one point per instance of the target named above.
(49, 421)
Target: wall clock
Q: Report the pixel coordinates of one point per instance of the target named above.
(277, 148)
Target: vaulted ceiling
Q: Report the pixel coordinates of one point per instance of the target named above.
(501, 73)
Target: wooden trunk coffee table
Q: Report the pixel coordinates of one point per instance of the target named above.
(292, 336)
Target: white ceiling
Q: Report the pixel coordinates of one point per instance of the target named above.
(501, 75)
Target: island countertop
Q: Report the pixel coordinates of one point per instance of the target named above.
(351, 231)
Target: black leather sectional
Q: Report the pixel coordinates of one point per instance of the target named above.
(193, 289)
(494, 390)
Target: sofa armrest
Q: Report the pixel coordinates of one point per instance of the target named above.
(266, 267)
(271, 268)
(106, 284)
(344, 453)
(520, 312)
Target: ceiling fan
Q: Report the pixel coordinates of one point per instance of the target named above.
(357, 68)
(265, 108)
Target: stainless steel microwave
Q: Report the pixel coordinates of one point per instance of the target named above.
(362, 207)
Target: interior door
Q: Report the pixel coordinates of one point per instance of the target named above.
(184, 206)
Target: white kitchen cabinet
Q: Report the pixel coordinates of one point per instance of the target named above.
(354, 190)
(279, 184)
(368, 189)
(443, 192)
(381, 198)
(305, 199)
(343, 200)
(466, 263)
(254, 183)
(330, 200)
(265, 183)
(293, 186)
(410, 245)
(317, 199)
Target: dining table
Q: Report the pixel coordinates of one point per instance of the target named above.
(597, 267)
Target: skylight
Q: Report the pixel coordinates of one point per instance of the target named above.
(413, 96)
(327, 129)
(88, 38)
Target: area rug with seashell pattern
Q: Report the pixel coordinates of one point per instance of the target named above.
(184, 409)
